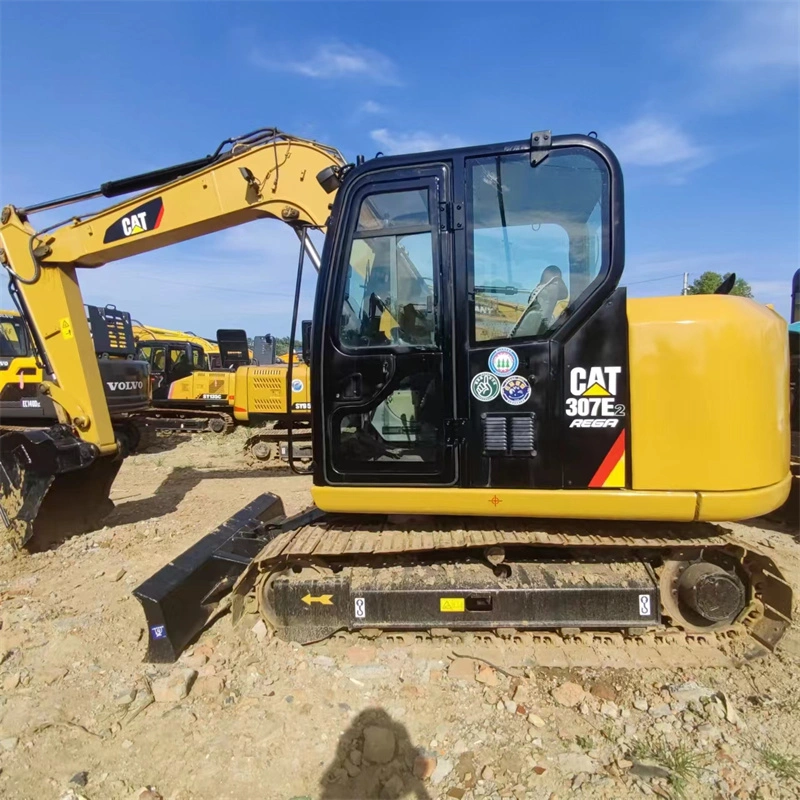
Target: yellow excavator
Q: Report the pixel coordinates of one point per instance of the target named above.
(20, 375)
(247, 387)
(149, 333)
(558, 471)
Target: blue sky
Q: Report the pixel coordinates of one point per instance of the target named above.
(700, 101)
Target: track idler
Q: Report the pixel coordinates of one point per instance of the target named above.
(53, 486)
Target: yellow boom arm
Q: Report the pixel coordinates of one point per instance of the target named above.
(263, 175)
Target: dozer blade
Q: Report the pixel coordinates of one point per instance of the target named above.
(179, 599)
(52, 486)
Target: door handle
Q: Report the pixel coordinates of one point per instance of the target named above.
(352, 387)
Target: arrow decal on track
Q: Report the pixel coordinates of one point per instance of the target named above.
(323, 599)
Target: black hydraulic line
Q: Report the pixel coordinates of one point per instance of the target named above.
(39, 352)
(290, 368)
(157, 177)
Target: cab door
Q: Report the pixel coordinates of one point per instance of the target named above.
(386, 372)
(543, 359)
(156, 356)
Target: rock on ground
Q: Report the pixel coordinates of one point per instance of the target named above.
(568, 694)
(175, 686)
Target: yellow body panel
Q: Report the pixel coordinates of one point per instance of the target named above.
(556, 503)
(194, 386)
(262, 390)
(709, 394)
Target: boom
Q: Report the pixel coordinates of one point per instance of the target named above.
(265, 174)
(269, 176)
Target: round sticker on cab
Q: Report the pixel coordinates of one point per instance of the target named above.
(485, 387)
(515, 390)
(297, 385)
(503, 361)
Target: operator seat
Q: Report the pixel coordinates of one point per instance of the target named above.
(545, 304)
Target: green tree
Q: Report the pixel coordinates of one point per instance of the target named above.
(709, 282)
(282, 345)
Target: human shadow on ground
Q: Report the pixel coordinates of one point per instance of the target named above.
(374, 761)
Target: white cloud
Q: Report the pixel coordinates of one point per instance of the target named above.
(743, 53)
(765, 36)
(416, 142)
(652, 141)
(334, 60)
(371, 107)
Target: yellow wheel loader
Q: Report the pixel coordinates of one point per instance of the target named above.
(557, 471)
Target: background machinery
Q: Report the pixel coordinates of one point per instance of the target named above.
(790, 511)
(147, 333)
(35, 443)
(559, 471)
(190, 395)
(20, 375)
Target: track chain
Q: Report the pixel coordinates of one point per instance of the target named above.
(151, 417)
(273, 437)
(382, 541)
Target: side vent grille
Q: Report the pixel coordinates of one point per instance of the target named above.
(495, 434)
(509, 435)
(522, 435)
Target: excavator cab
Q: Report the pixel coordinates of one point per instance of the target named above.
(233, 347)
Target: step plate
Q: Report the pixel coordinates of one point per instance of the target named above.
(305, 607)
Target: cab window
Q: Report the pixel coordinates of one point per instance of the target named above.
(12, 338)
(158, 360)
(539, 240)
(389, 296)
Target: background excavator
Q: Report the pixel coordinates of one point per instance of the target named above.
(148, 333)
(247, 387)
(559, 472)
(21, 374)
(29, 413)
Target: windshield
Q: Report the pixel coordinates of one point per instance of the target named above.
(539, 239)
(13, 341)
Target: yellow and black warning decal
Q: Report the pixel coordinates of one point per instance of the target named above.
(146, 217)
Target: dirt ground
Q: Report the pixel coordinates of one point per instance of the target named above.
(83, 716)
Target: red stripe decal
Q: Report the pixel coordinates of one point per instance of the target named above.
(609, 462)
(158, 219)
